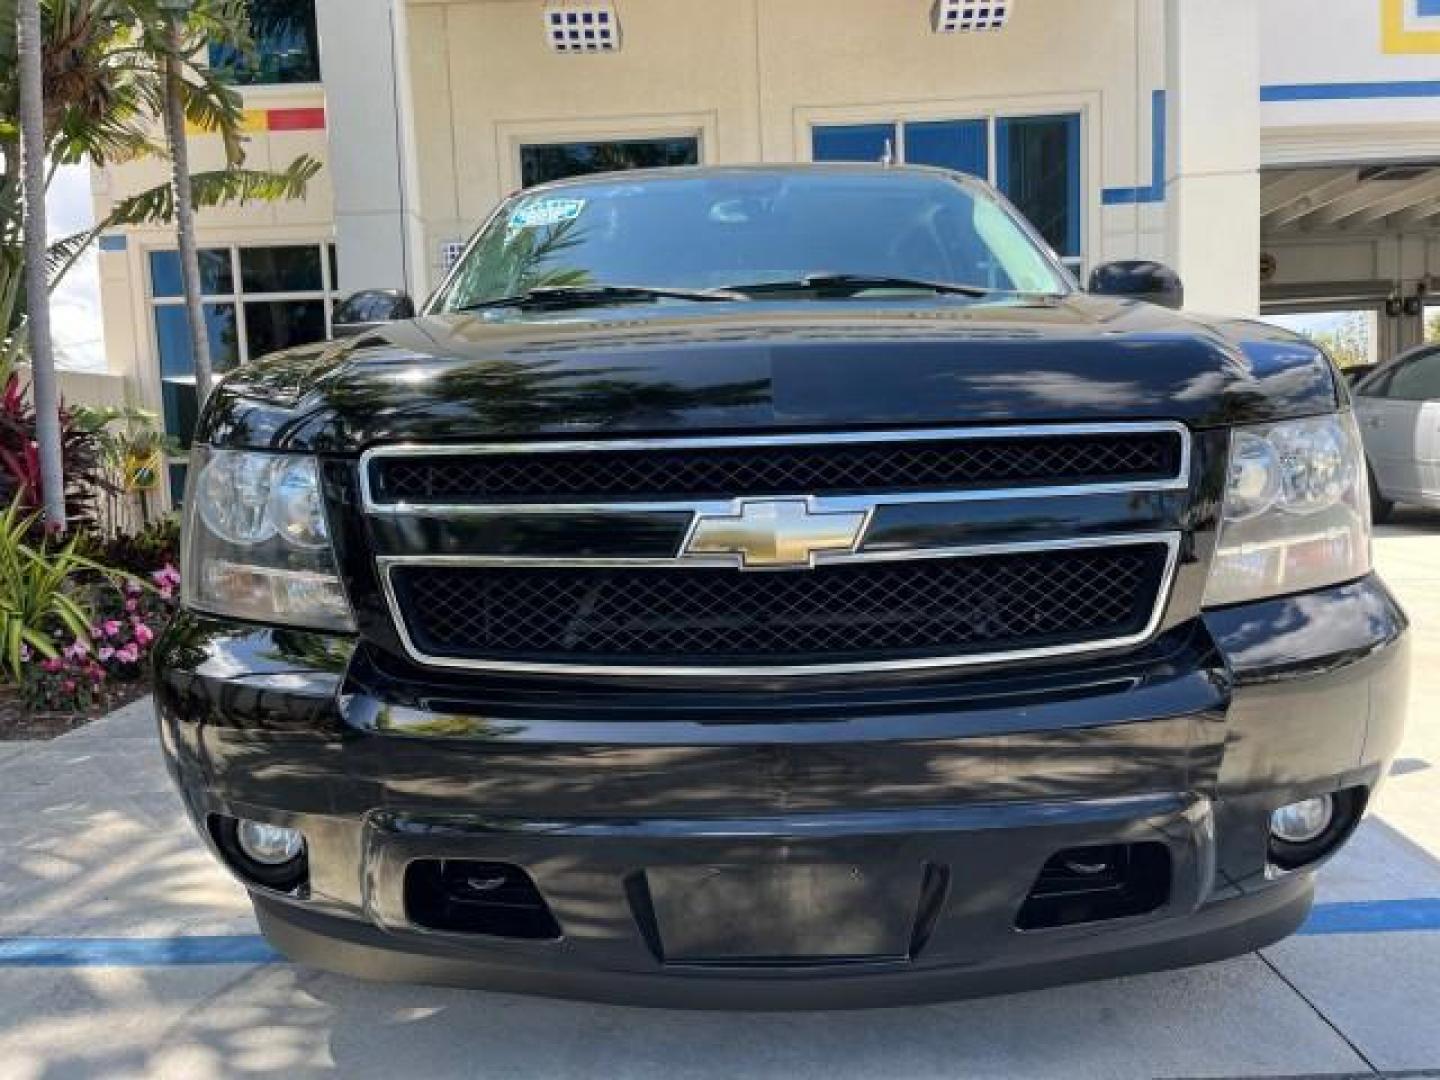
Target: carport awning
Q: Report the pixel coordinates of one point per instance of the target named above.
(1350, 199)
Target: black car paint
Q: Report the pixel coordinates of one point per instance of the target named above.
(676, 367)
(1197, 734)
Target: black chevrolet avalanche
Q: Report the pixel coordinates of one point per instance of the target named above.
(779, 587)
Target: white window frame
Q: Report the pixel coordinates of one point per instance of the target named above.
(238, 297)
(510, 136)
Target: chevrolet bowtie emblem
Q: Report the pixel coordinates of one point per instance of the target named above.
(775, 533)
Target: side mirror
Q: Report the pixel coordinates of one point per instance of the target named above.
(366, 310)
(1139, 279)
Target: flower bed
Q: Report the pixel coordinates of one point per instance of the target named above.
(72, 673)
(90, 673)
(81, 606)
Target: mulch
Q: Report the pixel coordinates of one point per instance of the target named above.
(19, 724)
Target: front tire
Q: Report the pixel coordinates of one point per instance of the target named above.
(1380, 507)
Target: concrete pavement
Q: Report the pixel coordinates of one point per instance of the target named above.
(93, 847)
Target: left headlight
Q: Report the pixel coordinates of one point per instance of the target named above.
(257, 545)
(1297, 512)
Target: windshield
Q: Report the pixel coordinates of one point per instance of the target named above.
(739, 229)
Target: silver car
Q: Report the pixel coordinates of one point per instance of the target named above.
(1399, 409)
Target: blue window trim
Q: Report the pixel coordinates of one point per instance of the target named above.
(1350, 91)
(114, 242)
(1428, 9)
(1154, 192)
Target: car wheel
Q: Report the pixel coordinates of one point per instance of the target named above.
(1380, 507)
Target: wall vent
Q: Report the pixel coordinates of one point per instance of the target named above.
(969, 16)
(578, 26)
(450, 252)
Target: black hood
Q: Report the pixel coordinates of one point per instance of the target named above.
(675, 366)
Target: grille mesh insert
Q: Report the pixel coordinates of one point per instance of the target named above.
(840, 613)
(729, 472)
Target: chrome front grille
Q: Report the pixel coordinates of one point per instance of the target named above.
(907, 462)
(728, 599)
(875, 611)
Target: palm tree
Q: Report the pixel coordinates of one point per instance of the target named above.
(107, 69)
(175, 12)
(104, 74)
(42, 352)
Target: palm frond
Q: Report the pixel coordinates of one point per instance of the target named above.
(222, 187)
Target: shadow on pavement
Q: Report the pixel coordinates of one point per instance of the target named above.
(1410, 521)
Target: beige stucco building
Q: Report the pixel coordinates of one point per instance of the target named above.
(1198, 132)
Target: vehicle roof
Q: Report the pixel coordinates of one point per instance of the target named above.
(700, 172)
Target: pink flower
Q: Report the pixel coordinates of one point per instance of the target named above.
(143, 634)
(167, 577)
(52, 665)
(94, 631)
(130, 654)
(25, 653)
(111, 627)
(132, 605)
(105, 653)
(166, 592)
(77, 651)
(69, 686)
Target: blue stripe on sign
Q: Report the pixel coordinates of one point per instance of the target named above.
(135, 952)
(1374, 917)
(1369, 917)
(1350, 91)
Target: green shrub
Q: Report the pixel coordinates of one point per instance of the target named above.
(42, 593)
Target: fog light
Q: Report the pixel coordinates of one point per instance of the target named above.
(269, 845)
(1303, 821)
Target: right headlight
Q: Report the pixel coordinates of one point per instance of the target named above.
(257, 545)
(1297, 512)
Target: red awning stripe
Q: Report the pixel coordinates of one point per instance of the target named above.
(295, 119)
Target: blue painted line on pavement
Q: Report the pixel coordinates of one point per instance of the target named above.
(1374, 917)
(135, 952)
(1365, 917)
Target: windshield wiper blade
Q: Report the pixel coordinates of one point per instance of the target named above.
(849, 284)
(583, 295)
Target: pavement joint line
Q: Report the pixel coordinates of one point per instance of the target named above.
(1421, 915)
(1320, 1014)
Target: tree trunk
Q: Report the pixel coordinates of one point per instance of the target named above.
(185, 216)
(37, 284)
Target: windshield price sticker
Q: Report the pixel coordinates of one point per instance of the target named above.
(546, 213)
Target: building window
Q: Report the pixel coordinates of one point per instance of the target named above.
(962, 145)
(1037, 166)
(287, 46)
(854, 142)
(256, 300)
(542, 162)
(1035, 161)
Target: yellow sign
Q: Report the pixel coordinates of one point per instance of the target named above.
(1397, 37)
